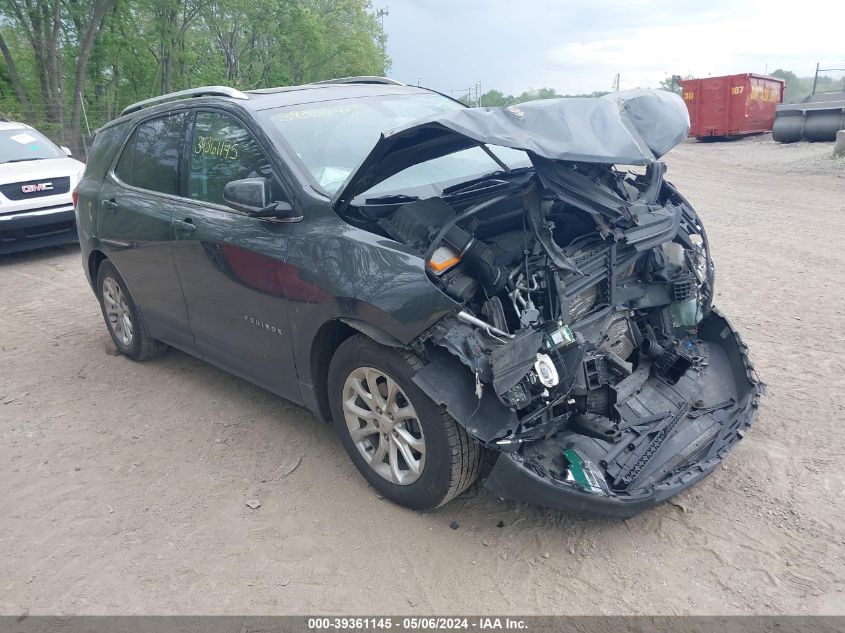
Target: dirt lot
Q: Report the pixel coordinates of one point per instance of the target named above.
(124, 484)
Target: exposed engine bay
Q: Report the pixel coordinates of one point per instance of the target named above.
(587, 337)
(585, 349)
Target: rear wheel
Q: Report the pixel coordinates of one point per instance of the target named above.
(123, 319)
(407, 448)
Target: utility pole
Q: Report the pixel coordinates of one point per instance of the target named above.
(380, 13)
(461, 92)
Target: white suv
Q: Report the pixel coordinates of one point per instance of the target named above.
(36, 181)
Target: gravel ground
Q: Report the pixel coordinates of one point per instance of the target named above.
(124, 484)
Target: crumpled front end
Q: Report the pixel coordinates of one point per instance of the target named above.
(584, 350)
(587, 352)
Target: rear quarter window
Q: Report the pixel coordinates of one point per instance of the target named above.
(103, 148)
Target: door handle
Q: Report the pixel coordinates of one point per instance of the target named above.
(110, 205)
(184, 227)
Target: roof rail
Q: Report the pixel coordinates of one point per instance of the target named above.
(206, 91)
(364, 79)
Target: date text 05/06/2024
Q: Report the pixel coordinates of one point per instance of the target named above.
(415, 623)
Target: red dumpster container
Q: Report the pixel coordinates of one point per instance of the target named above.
(732, 105)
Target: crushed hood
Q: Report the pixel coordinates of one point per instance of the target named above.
(634, 127)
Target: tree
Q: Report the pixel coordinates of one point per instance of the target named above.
(99, 8)
(51, 27)
(15, 79)
(540, 93)
(66, 62)
(672, 84)
(40, 22)
(494, 98)
(795, 88)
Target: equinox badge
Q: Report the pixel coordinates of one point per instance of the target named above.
(264, 324)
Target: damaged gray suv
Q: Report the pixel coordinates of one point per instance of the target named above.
(516, 294)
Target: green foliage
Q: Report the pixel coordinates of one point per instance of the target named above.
(147, 47)
(496, 98)
(673, 83)
(798, 88)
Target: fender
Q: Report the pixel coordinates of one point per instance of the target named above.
(373, 332)
(338, 272)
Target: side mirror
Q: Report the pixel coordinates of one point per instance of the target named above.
(247, 195)
(66, 150)
(253, 197)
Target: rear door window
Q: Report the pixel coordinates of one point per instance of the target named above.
(222, 150)
(150, 159)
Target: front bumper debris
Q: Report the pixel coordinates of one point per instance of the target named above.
(711, 412)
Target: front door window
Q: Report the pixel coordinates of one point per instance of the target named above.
(223, 150)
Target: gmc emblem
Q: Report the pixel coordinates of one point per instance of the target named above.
(41, 186)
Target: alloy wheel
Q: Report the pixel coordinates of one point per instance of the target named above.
(384, 426)
(117, 312)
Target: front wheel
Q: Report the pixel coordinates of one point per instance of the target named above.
(406, 447)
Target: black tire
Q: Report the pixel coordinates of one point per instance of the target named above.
(140, 345)
(453, 458)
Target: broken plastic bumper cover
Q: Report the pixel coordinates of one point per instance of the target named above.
(663, 455)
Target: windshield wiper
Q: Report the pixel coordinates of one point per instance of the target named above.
(474, 186)
(493, 182)
(392, 198)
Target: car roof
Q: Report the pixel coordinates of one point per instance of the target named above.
(313, 93)
(267, 98)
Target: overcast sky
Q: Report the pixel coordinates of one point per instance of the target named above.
(579, 46)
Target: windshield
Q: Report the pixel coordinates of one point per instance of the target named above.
(26, 144)
(332, 137)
